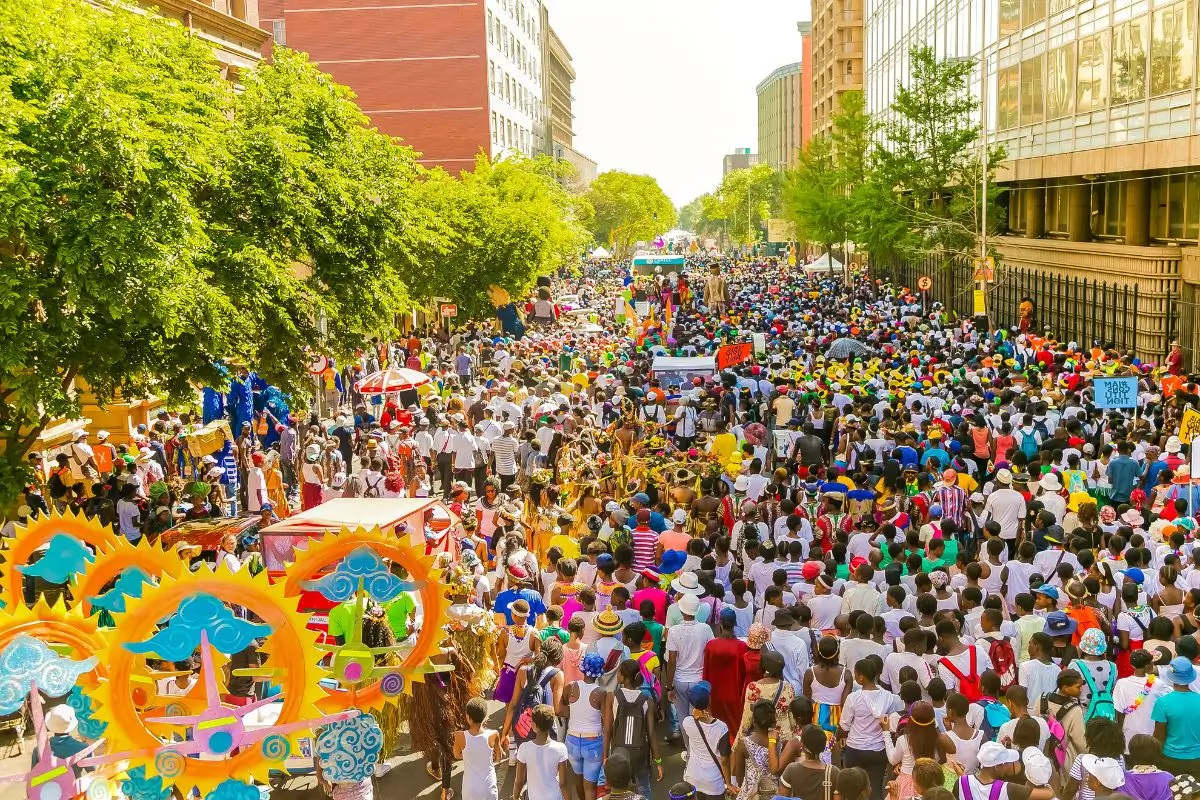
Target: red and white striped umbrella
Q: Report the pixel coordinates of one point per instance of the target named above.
(390, 381)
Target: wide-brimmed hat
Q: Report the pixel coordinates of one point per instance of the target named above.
(1059, 623)
(672, 561)
(1093, 642)
(1181, 670)
(689, 604)
(607, 623)
(1174, 445)
(1050, 482)
(61, 720)
(1133, 518)
(1004, 477)
(687, 583)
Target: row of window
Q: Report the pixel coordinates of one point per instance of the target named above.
(509, 134)
(511, 90)
(1150, 56)
(1174, 207)
(1018, 14)
(505, 41)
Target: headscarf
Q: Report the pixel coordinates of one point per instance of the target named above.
(757, 636)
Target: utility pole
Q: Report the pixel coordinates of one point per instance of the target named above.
(982, 284)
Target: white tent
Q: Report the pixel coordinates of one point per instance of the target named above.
(825, 263)
(600, 252)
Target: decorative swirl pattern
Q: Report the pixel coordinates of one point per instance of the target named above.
(137, 786)
(348, 750)
(392, 684)
(276, 747)
(99, 790)
(90, 728)
(169, 764)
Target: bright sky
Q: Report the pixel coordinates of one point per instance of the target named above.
(693, 63)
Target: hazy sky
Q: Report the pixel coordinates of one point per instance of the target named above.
(666, 87)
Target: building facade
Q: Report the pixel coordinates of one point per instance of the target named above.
(451, 79)
(780, 116)
(557, 79)
(1095, 106)
(740, 158)
(806, 82)
(231, 27)
(837, 55)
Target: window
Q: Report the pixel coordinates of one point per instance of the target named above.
(1010, 16)
(491, 20)
(1008, 88)
(1175, 206)
(1129, 60)
(1060, 82)
(1058, 208)
(1033, 90)
(1016, 210)
(1112, 209)
(1032, 11)
(1172, 50)
(279, 32)
(495, 129)
(1091, 91)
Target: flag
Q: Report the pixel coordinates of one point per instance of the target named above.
(631, 314)
(667, 315)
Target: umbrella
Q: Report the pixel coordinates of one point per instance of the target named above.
(390, 381)
(846, 347)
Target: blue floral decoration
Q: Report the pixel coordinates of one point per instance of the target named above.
(363, 564)
(27, 660)
(200, 612)
(349, 749)
(89, 727)
(137, 786)
(234, 790)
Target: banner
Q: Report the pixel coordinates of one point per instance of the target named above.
(731, 354)
(1189, 426)
(1116, 392)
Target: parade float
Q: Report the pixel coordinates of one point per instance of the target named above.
(143, 648)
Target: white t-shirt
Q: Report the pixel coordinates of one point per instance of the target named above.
(686, 640)
(128, 518)
(80, 453)
(962, 662)
(541, 768)
(861, 714)
(1126, 691)
(825, 609)
(1006, 507)
(701, 771)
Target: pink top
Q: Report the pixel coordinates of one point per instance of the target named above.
(570, 664)
(654, 595)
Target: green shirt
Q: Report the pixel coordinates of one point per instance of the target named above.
(1181, 713)
(656, 633)
(554, 630)
(341, 618)
(397, 612)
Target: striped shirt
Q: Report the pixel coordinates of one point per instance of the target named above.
(953, 501)
(505, 450)
(645, 542)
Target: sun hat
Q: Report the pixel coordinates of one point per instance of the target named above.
(741, 484)
(1004, 477)
(1093, 643)
(1174, 444)
(1185, 787)
(757, 636)
(1106, 770)
(1050, 482)
(61, 720)
(592, 665)
(1133, 518)
(994, 754)
(672, 561)
(689, 604)
(607, 623)
(1181, 670)
(1058, 623)
(687, 583)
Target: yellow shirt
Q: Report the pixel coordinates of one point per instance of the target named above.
(581, 379)
(967, 483)
(723, 446)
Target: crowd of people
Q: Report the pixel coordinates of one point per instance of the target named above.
(885, 553)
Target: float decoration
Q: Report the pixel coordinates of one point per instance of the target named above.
(348, 751)
(69, 540)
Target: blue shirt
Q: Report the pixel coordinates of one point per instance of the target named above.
(1181, 713)
(658, 523)
(936, 452)
(510, 596)
(1122, 474)
(908, 456)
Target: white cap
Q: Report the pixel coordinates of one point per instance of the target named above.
(740, 485)
(679, 517)
(993, 754)
(102, 435)
(1106, 770)
(61, 720)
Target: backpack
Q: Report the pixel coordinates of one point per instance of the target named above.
(58, 489)
(1086, 619)
(968, 685)
(1029, 445)
(1056, 744)
(995, 714)
(1004, 662)
(651, 685)
(535, 693)
(629, 721)
(372, 489)
(1100, 704)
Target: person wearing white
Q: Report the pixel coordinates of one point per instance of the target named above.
(1006, 507)
(545, 768)
(793, 646)
(685, 655)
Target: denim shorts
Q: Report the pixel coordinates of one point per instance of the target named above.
(586, 756)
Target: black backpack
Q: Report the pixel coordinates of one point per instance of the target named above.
(535, 692)
(629, 722)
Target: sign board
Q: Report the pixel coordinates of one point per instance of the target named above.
(732, 354)
(760, 342)
(317, 364)
(924, 283)
(781, 230)
(980, 303)
(449, 310)
(1116, 392)
(1189, 426)
(985, 269)
(642, 308)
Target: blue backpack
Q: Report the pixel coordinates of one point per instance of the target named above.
(1029, 445)
(995, 714)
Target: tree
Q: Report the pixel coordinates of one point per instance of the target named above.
(932, 161)
(111, 120)
(628, 209)
(815, 195)
(745, 200)
(509, 223)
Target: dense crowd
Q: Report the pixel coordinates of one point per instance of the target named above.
(884, 553)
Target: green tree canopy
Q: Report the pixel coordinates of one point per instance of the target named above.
(744, 201)
(628, 209)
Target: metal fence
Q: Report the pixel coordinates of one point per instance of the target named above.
(1075, 309)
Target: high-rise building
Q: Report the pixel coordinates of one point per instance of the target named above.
(558, 78)
(806, 81)
(780, 114)
(837, 60)
(1095, 106)
(740, 158)
(230, 26)
(451, 79)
